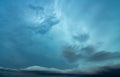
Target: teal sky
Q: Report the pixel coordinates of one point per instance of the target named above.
(59, 33)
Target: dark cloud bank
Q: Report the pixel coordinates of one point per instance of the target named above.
(106, 71)
(88, 53)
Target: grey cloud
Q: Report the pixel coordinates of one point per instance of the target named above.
(104, 55)
(70, 55)
(35, 71)
(87, 50)
(81, 37)
(73, 53)
(88, 53)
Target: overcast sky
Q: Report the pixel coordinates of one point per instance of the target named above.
(62, 34)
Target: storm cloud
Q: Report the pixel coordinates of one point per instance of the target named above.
(89, 53)
(61, 34)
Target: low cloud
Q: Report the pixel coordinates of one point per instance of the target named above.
(103, 71)
(103, 56)
(70, 55)
(89, 53)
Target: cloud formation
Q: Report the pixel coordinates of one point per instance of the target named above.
(45, 25)
(88, 53)
(83, 37)
(70, 55)
(38, 70)
(104, 56)
(33, 33)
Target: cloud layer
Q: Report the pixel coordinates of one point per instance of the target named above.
(89, 54)
(61, 34)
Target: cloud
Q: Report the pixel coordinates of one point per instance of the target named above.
(35, 71)
(43, 22)
(81, 37)
(88, 50)
(70, 55)
(36, 7)
(39, 68)
(103, 56)
(88, 53)
(19, 42)
(46, 25)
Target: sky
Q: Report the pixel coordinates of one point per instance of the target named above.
(62, 34)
